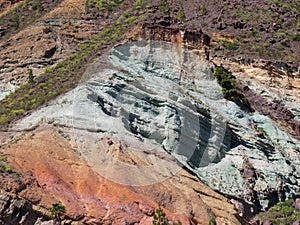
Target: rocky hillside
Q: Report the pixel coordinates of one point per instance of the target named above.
(113, 109)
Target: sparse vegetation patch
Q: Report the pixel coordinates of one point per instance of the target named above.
(283, 213)
(23, 15)
(160, 218)
(66, 74)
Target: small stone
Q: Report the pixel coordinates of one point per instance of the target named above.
(67, 222)
(296, 204)
(109, 142)
(255, 222)
(148, 210)
(267, 222)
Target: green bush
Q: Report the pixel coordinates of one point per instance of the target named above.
(296, 37)
(4, 119)
(253, 33)
(57, 209)
(9, 169)
(181, 15)
(103, 4)
(212, 221)
(282, 213)
(17, 112)
(231, 45)
(165, 7)
(203, 10)
(15, 21)
(226, 81)
(2, 158)
(229, 86)
(139, 4)
(2, 168)
(30, 77)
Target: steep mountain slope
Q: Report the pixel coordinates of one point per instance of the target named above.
(148, 112)
(155, 96)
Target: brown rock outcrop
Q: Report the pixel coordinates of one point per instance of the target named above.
(161, 31)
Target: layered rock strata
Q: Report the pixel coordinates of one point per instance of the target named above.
(160, 97)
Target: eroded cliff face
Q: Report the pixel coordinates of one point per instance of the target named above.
(151, 98)
(115, 147)
(162, 31)
(60, 171)
(102, 153)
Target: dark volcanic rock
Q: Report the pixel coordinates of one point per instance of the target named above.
(239, 25)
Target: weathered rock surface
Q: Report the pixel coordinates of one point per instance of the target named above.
(272, 92)
(236, 28)
(20, 199)
(41, 46)
(155, 97)
(63, 175)
(149, 98)
(280, 73)
(17, 211)
(54, 37)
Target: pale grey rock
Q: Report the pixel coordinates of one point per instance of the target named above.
(5, 89)
(159, 97)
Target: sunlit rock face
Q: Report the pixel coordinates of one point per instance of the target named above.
(5, 89)
(160, 99)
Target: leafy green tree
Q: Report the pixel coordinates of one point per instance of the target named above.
(30, 77)
(57, 210)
